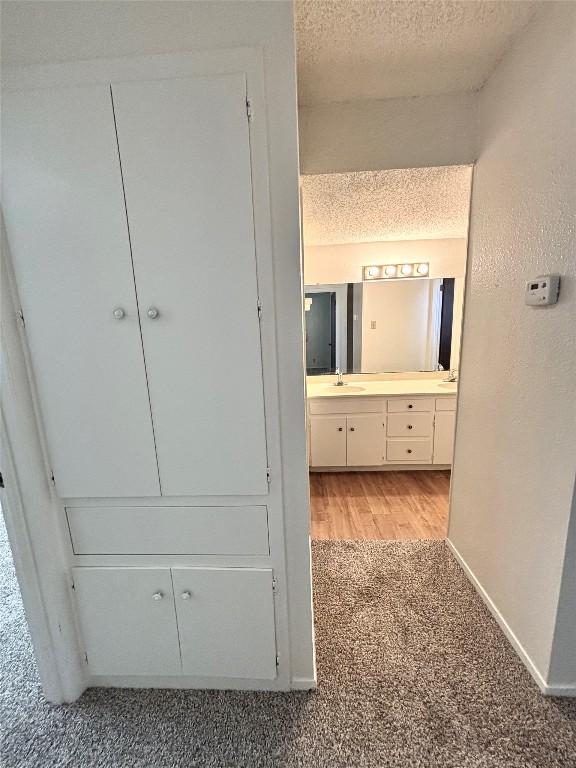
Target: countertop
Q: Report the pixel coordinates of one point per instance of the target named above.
(405, 387)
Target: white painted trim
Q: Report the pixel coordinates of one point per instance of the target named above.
(187, 682)
(304, 684)
(38, 557)
(27, 574)
(502, 623)
(560, 690)
(388, 467)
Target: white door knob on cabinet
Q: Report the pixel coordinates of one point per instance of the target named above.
(118, 313)
(152, 313)
(186, 595)
(158, 595)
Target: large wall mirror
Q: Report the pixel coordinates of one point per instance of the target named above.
(384, 269)
(392, 325)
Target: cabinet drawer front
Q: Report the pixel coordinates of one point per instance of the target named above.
(409, 450)
(128, 620)
(446, 404)
(399, 405)
(336, 405)
(410, 425)
(226, 622)
(169, 530)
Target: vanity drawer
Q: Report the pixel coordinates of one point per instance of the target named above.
(400, 405)
(334, 405)
(409, 425)
(409, 450)
(446, 404)
(169, 530)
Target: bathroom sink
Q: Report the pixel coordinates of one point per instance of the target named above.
(346, 388)
(448, 385)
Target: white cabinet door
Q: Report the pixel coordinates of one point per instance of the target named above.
(444, 424)
(68, 237)
(226, 622)
(327, 441)
(127, 620)
(365, 439)
(185, 151)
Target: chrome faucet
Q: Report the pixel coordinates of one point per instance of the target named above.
(453, 375)
(340, 381)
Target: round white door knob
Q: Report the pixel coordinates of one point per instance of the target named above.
(118, 313)
(186, 595)
(158, 595)
(152, 313)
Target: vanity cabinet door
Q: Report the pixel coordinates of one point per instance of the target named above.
(365, 440)
(226, 622)
(444, 423)
(328, 441)
(127, 620)
(185, 150)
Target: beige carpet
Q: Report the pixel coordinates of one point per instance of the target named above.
(412, 672)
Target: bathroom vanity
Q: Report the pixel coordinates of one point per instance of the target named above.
(384, 423)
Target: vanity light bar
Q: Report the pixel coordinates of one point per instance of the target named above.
(395, 271)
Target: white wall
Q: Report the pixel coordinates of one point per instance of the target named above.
(69, 31)
(389, 133)
(400, 311)
(515, 458)
(343, 263)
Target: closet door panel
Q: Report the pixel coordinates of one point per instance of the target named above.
(67, 231)
(226, 622)
(127, 620)
(184, 146)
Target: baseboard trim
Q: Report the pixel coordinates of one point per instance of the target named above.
(303, 683)
(514, 642)
(568, 691)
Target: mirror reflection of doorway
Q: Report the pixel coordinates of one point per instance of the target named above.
(320, 332)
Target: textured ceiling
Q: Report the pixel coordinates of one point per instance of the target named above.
(412, 204)
(360, 49)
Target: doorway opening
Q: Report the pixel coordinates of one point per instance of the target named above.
(384, 272)
(320, 307)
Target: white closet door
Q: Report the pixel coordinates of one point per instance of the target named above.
(185, 152)
(66, 224)
(226, 622)
(127, 620)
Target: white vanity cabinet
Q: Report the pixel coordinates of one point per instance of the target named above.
(349, 432)
(360, 431)
(209, 622)
(444, 426)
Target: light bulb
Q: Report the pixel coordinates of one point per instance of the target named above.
(390, 270)
(373, 271)
(422, 269)
(406, 269)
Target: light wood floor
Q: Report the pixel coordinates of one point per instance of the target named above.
(379, 505)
